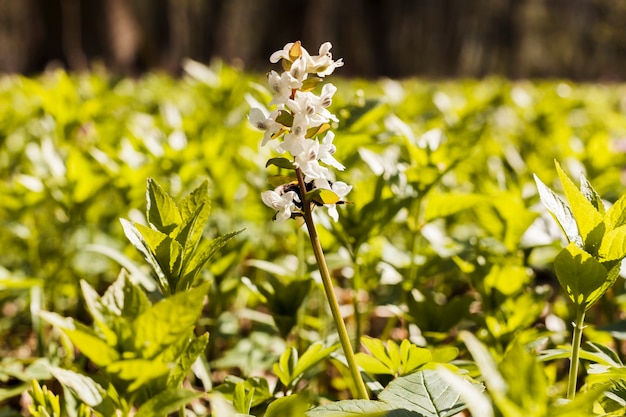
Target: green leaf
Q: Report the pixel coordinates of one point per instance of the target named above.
(526, 378)
(350, 408)
(85, 388)
(286, 365)
(580, 275)
(322, 196)
(242, 400)
(205, 252)
(312, 356)
(613, 245)
(161, 211)
(166, 321)
(167, 402)
(280, 162)
(586, 215)
(198, 198)
(616, 214)
(137, 371)
(292, 405)
(592, 195)
(186, 360)
(125, 298)
(144, 246)
(169, 254)
(84, 339)
(425, 392)
(560, 211)
(278, 180)
(285, 118)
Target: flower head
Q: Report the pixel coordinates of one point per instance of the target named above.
(300, 116)
(284, 204)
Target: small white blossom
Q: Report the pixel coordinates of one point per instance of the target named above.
(326, 151)
(283, 204)
(323, 63)
(281, 54)
(341, 189)
(268, 124)
(282, 86)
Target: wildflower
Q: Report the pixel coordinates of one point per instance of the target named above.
(267, 124)
(299, 117)
(284, 204)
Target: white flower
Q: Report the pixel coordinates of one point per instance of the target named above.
(292, 143)
(326, 151)
(308, 110)
(341, 189)
(283, 204)
(282, 86)
(281, 54)
(323, 63)
(307, 161)
(268, 124)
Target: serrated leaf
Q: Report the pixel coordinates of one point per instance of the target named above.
(197, 198)
(424, 392)
(168, 320)
(83, 338)
(167, 402)
(280, 162)
(161, 211)
(85, 388)
(580, 275)
(560, 211)
(124, 298)
(139, 242)
(586, 215)
(205, 252)
(592, 195)
(613, 245)
(185, 361)
(169, 254)
(616, 214)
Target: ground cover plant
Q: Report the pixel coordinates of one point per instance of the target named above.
(449, 272)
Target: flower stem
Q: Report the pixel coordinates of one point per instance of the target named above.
(574, 358)
(330, 293)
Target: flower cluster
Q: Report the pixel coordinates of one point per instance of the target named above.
(299, 119)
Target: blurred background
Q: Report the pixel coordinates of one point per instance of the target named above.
(576, 39)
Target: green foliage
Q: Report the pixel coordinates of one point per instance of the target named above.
(423, 393)
(44, 402)
(441, 234)
(590, 263)
(172, 244)
(143, 350)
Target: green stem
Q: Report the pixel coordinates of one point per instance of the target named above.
(574, 358)
(330, 293)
